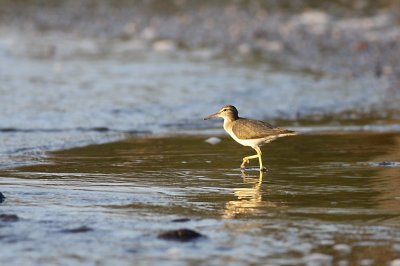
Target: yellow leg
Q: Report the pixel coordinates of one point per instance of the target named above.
(259, 153)
(246, 160)
(260, 178)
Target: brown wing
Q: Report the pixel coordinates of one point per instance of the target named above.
(255, 129)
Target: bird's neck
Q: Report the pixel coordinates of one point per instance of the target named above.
(228, 120)
(231, 117)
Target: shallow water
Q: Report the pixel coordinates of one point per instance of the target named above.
(325, 200)
(74, 99)
(61, 89)
(138, 94)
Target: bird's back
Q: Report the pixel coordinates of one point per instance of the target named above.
(255, 129)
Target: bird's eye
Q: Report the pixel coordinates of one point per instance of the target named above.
(223, 110)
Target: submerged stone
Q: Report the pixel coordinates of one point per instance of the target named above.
(8, 218)
(389, 164)
(82, 229)
(181, 220)
(182, 235)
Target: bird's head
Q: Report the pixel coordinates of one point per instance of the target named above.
(227, 112)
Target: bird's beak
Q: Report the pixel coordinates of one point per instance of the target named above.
(211, 116)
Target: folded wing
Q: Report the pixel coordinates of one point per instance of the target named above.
(255, 129)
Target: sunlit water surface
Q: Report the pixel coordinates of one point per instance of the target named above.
(94, 91)
(325, 200)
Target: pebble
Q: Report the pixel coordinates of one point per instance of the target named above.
(342, 263)
(182, 235)
(8, 218)
(342, 248)
(318, 259)
(395, 262)
(164, 46)
(366, 262)
(389, 164)
(213, 140)
(82, 229)
(181, 220)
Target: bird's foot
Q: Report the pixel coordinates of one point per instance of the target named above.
(263, 169)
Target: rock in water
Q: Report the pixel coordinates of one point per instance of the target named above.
(181, 220)
(213, 140)
(2, 197)
(82, 229)
(182, 235)
(8, 218)
(389, 164)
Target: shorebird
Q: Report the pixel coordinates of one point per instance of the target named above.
(249, 132)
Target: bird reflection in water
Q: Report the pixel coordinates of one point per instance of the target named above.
(248, 199)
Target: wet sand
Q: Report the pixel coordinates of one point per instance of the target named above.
(326, 200)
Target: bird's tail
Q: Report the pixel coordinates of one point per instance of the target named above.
(287, 132)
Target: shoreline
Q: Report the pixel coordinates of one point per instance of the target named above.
(358, 44)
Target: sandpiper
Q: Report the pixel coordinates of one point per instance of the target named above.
(249, 132)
